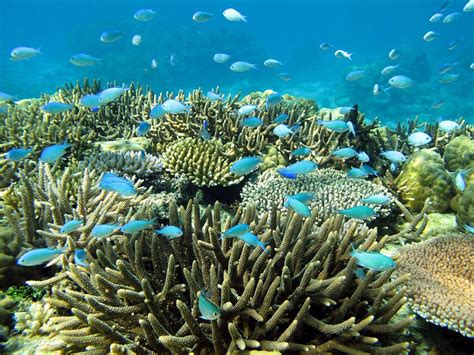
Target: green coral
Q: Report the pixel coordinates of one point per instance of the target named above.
(459, 154)
(423, 176)
(22, 293)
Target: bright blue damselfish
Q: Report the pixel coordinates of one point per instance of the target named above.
(54, 152)
(17, 154)
(80, 257)
(299, 207)
(358, 212)
(56, 107)
(71, 226)
(170, 232)
(208, 309)
(103, 230)
(143, 128)
(245, 165)
(251, 239)
(236, 230)
(373, 260)
(114, 183)
(137, 226)
(39, 256)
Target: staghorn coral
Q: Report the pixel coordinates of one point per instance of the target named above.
(35, 320)
(203, 162)
(139, 164)
(423, 176)
(459, 154)
(441, 286)
(141, 294)
(333, 190)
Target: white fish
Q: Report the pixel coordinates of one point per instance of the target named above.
(469, 6)
(247, 109)
(282, 130)
(394, 156)
(22, 53)
(393, 54)
(213, 96)
(418, 139)
(136, 40)
(436, 17)
(351, 128)
(355, 75)
(363, 157)
(451, 17)
(449, 126)
(343, 54)
(430, 36)
(233, 15)
(378, 89)
(389, 69)
(271, 63)
(220, 58)
(154, 63)
(240, 67)
(110, 94)
(84, 60)
(174, 107)
(144, 15)
(202, 16)
(401, 82)
(448, 78)
(471, 66)
(460, 180)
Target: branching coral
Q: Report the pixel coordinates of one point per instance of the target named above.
(203, 162)
(441, 286)
(333, 190)
(141, 294)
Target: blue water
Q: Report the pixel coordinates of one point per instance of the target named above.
(290, 31)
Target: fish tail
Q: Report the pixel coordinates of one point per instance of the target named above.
(349, 56)
(244, 18)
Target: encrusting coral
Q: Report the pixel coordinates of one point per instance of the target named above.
(459, 154)
(441, 284)
(140, 293)
(332, 190)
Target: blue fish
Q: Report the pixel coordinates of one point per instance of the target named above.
(157, 112)
(204, 132)
(346, 109)
(369, 170)
(143, 128)
(374, 261)
(90, 101)
(251, 122)
(170, 232)
(54, 152)
(304, 197)
(359, 273)
(345, 153)
(113, 183)
(287, 174)
(461, 180)
(137, 226)
(213, 96)
(378, 199)
(272, 100)
(301, 152)
(251, 239)
(208, 310)
(56, 107)
(95, 109)
(103, 230)
(468, 228)
(282, 130)
(338, 126)
(17, 154)
(245, 166)
(39, 256)
(302, 167)
(363, 157)
(236, 230)
(71, 226)
(80, 257)
(358, 212)
(281, 118)
(299, 207)
(356, 173)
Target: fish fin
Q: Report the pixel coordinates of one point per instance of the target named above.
(244, 18)
(349, 56)
(353, 248)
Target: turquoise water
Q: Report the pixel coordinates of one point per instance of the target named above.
(290, 31)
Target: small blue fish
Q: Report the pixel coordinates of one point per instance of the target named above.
(345, 153)
(358, 212)
(287, 174)
(251, 239)
(39, 256)
(363, 157)
(111, 36)
(301, 152)
(144, 15)
(299, 207)
(468, 228)
(356, 173)
(170, 232)
(461, 180)
(95, 109)
(113, 183)
(110, 94)
(346, 109)
(17, 154)
(251, 122)
(302, 167)
(394, 156)
(245, 166)
(281, 118)
(56, 107)
(236, 230)
(247, 109)
(80, 257)
(273, 100)
(157, 112)
(351, 128)
(338, 126)
(369, 170)
(209, 310)
(282, 130)
(359, 273)
(213, 96)
(137, 226)
(393, 167)
(174, 107)
(373, 260)
(71, 226)
(377, 199)
(90, 101)
(103, 230)
(54, 152)
(143, 128)
(304, 197)
(204, 132)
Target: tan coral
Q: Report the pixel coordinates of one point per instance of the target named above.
(441, 285)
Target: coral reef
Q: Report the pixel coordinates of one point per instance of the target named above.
(34, 320)
(141, 294)
(203, 162)
(333, 190)
(459, 154)
(441, 284)
(423, 176)
(10, 248)
(7, 304)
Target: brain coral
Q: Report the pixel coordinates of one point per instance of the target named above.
(424, 176)
(333, 190)
(441, 286)
(203, 162)
(459, 153)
